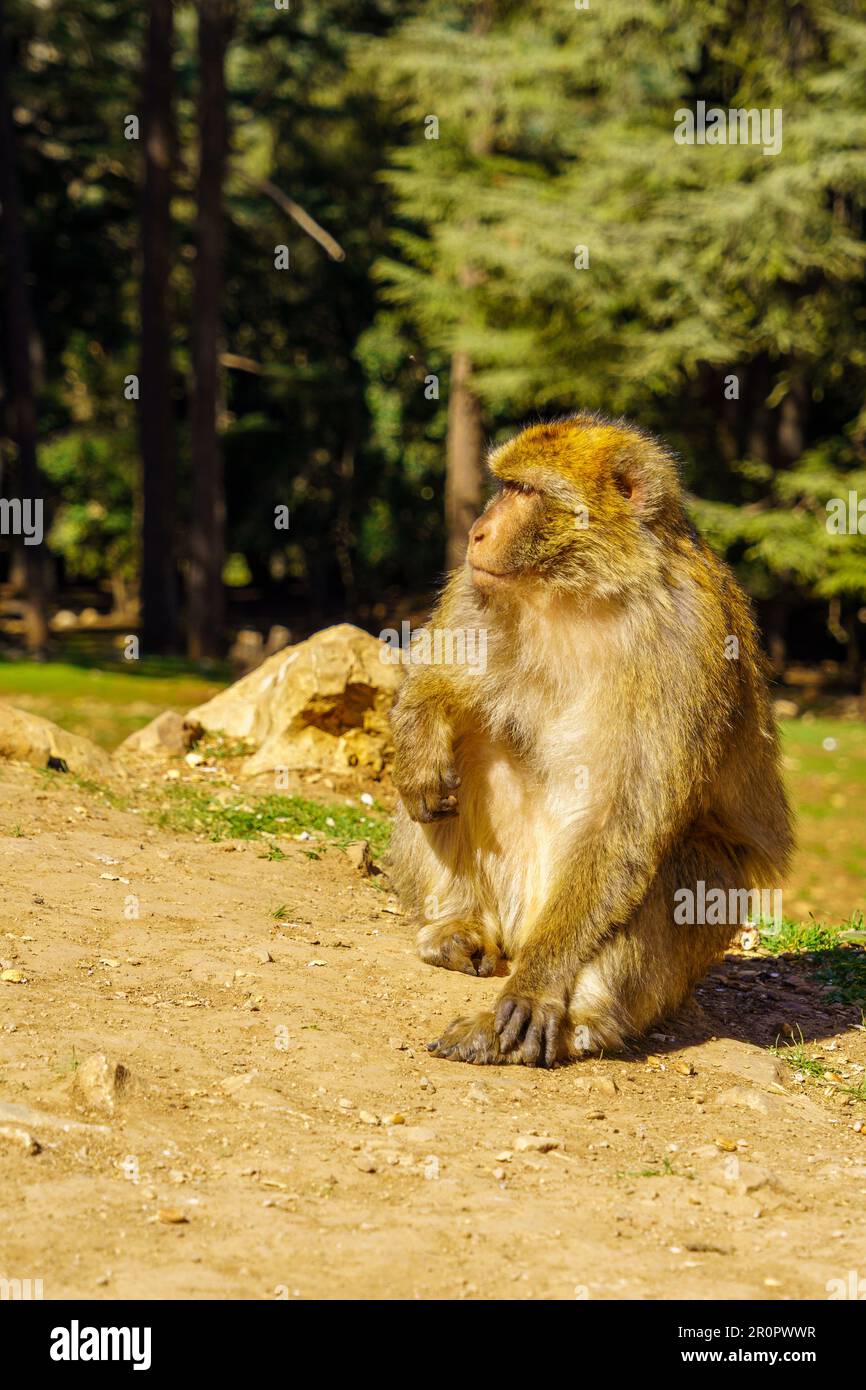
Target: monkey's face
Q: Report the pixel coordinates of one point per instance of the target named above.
(580, 511)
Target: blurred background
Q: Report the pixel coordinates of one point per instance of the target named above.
(275, 275)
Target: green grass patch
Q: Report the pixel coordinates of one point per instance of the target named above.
(795, 1056)
(104, 697)
(834, 953)
(800, 1060)
(243, 818)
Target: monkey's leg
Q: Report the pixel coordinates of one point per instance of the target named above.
(433, 869)
(639, 973)
(647, 969)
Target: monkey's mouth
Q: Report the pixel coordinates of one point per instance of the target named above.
(488, 579)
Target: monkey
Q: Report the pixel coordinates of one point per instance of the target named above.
(616, 748)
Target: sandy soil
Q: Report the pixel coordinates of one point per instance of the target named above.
(251, 1156)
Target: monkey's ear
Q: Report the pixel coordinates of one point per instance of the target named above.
(647, 478)
(631, 482)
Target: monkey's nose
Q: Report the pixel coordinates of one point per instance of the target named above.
(475, 535)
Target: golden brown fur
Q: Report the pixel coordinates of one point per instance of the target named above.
(612, 752)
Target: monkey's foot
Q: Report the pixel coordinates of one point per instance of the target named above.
(472, 1039)
(459, 947)
(532, 1030)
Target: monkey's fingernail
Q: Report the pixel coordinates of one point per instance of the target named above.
(503, 1014)
(433, 1047)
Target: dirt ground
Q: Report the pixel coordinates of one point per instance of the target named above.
(284, 1132)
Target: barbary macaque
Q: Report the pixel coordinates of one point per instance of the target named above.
(617, 747)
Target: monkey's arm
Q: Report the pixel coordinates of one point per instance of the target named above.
(432, 709)
(423, 725)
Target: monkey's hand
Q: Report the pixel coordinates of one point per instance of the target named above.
(428, 789)
(530, 1028)
(459, 946)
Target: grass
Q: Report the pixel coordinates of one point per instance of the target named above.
(667, 1170)
(834, 953)
(236, 817)
(825, 768)
(796, 1056)
(104, 697)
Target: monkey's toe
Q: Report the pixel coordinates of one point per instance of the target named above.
(532, 1031)
(465, 948)
(471, 1039)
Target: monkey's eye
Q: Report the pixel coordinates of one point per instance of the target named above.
(523, 488)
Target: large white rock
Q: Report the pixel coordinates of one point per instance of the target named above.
(321, 704)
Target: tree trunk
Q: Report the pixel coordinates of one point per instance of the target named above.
(463, 459)
(465, 443)
(21, 396)
(155, 423)
(206, 601)
(792, 423)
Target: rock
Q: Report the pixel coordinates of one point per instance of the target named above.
(367, 1117)
(366, 1163)
(535, 1143)
(234, 1084)
(101, 1082)
(358, 854)
(247, 649)
(26, 738)
(322, 704)
(279, 637)
(22, 1138)
(26, 1115)
(164, 734)
(748, 1098)
(417, 1134)
(596, 1085)
(785, 709)
(750, 1177)
(752, 1064)
(172, 1216)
